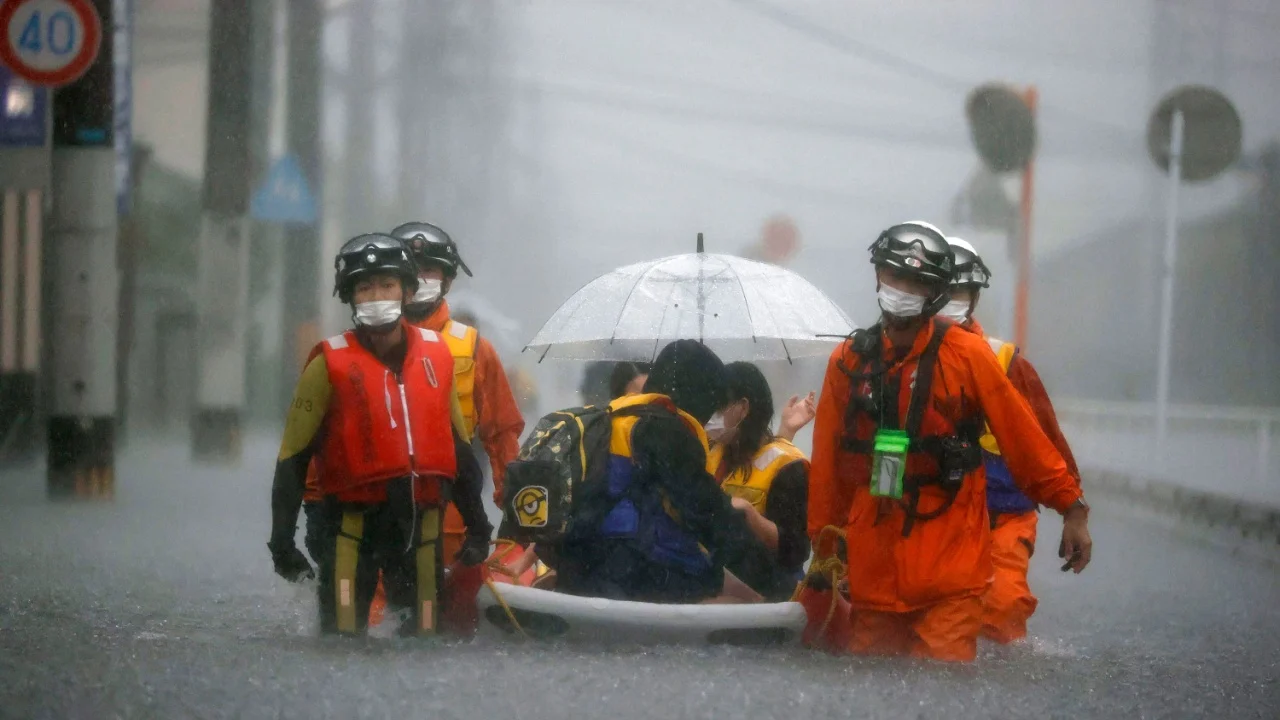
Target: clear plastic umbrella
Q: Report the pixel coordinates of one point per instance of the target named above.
(741, 309)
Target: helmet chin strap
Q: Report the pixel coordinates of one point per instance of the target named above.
(932, 307)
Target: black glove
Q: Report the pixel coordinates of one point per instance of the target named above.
(289, 562)
(475, 550)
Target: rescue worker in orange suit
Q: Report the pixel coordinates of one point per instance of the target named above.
(897, 462)
(488, 405)
(765, 476)
(378, 411)
(1008, 602)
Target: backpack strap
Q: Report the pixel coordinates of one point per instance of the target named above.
(924, 379)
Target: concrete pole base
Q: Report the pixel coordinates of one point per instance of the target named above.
(18, 417)
(216, 435)
(81, 458)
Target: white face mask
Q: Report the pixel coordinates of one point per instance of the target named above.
(716, 430)
(899, 303)
(377, 313)
(715, 424)
(957, 310)
(428, 291)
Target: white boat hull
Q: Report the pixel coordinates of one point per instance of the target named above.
(544, 614)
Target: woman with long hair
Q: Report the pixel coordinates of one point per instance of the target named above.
(766, 476)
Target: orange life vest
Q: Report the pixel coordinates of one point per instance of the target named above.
(381, 427)
(922, 418)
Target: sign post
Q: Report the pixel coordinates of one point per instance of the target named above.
(1193, 135)
(45, 45)
(61, 44)
(1002, 124)
(1168, 268)
(1026, 205)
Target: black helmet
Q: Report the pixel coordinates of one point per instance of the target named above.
(970, 271)
(431, 245)
(368, 254)
(916, 248)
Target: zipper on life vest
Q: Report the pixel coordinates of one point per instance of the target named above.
(408, 430)
(413, 474)
(386, 395)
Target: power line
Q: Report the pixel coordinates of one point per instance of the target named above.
(853, 47)
(668, 157)
(845, 129)
(887, 60)
(680, 111)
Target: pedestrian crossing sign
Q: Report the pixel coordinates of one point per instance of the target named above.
(284, 195)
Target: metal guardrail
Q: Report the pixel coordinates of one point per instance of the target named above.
(1227, 451)
(1183, 412)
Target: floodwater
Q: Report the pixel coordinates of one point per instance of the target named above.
(163, 604)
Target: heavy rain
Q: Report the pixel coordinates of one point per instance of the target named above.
(640, 233)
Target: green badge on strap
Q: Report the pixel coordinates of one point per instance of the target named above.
(889, 463)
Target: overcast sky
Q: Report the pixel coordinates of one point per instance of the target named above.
(661, 118)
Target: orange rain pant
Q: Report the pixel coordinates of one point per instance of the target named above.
(1008, 602)
(945, 631)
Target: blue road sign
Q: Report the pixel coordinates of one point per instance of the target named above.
(23, 109)
(284, 196)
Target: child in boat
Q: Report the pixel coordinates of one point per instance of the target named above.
(766, 476)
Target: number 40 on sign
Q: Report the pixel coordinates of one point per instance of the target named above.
(49, 42)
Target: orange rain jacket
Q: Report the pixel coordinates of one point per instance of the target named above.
(949, 556)
(498, 419)
(1027, 381)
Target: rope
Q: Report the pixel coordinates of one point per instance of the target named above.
(833, 568)
(493, 588)
(498, 566)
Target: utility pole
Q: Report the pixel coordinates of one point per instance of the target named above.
(302, 256)
(223, 272)
(129, 168)
(83, 299)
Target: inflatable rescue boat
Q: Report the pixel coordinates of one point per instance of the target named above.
(508, 597)
(546, 614)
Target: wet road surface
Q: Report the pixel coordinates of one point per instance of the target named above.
(163, 605)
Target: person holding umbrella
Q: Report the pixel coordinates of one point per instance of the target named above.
(897, 461)
(691, 306)
(657, 529)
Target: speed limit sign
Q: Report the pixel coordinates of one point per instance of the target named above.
(49, 42)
